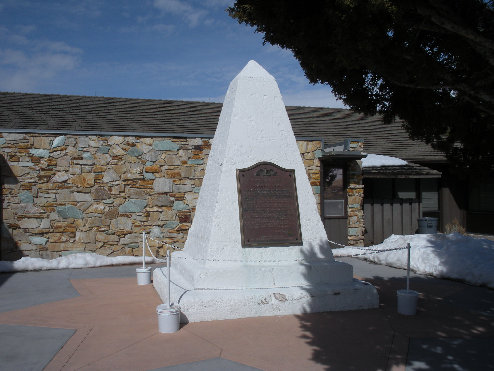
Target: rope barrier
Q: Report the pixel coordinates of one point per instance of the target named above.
(371, 250)
(368, 251)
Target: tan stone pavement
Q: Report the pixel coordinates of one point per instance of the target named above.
(117, 329)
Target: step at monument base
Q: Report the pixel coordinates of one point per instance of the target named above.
(218, 304)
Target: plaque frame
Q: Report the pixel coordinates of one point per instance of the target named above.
(249, 242)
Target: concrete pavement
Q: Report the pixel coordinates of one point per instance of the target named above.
(99, 319)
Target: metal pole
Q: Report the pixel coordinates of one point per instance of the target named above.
(143, 250)
(168, 266)
(408, 267)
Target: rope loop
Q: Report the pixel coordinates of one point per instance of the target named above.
(371, 250)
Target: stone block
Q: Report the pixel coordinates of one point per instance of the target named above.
(82, 197)
(191, 199)
(149, 176)
(173, 160)
(35, 240)
(96, 208)
(137, 193)
(156, 232)
(82, 141)
(58, 237)
(135, 152)
(26, 197)
(121, 223)
(65, 195)
(302, 146)
(102, 159)
(103, 237)
(131, 240)
(28, 247)
(85, 237)
(19, 171)
(110, 176)
(171, 224)
(161, 200)
(152, 155)
(87, 157)
(174, 174)
(100, 193)
(94, 222)
(182, 188)
(313, 146)
(27, 209)
(63, 162)
(188, 171)
(103, 149)
(2, 141)
(116, 151)
(69, 211)
(133, 206)
(29, 223)
(180, 205)
(85, 180)
(14, 137)
(45, 224)
(184, 217)
(162, 185)
(152, 169)
(111, 214)
(44, 153)
(41, 142)
(195, 162)
(121, 168)
(60, 177)
(165, 145)
(58, 142)
(115, 140)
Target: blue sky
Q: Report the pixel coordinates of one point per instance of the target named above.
(162, 49)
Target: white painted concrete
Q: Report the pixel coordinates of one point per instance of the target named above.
(214, 269)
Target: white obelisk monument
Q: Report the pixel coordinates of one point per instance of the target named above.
(216, 276)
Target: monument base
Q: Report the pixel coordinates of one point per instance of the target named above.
(208, 304)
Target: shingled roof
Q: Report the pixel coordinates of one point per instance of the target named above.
(409, 170)
(81, 114)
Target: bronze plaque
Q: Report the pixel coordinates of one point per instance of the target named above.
(268, 204)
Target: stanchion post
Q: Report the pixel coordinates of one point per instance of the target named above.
(408, 267)
(168, 267)
(143, 250)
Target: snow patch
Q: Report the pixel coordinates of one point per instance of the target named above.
(440, 255)
(373, 160)
(79, 260)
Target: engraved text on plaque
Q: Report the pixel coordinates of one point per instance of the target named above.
(269, 214)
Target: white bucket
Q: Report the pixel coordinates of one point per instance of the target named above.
(143, 276)
(168, 318)
(407, 302)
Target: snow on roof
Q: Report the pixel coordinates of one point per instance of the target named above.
(373, 160)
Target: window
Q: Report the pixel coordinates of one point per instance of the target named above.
(405, 188)
(334, 192)
(429, 194)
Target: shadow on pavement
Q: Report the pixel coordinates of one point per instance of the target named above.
(453, 325)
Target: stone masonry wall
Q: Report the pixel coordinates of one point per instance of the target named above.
(74, 193)
(355, 194)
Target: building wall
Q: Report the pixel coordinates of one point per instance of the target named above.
(355, 192)
(74, 193)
